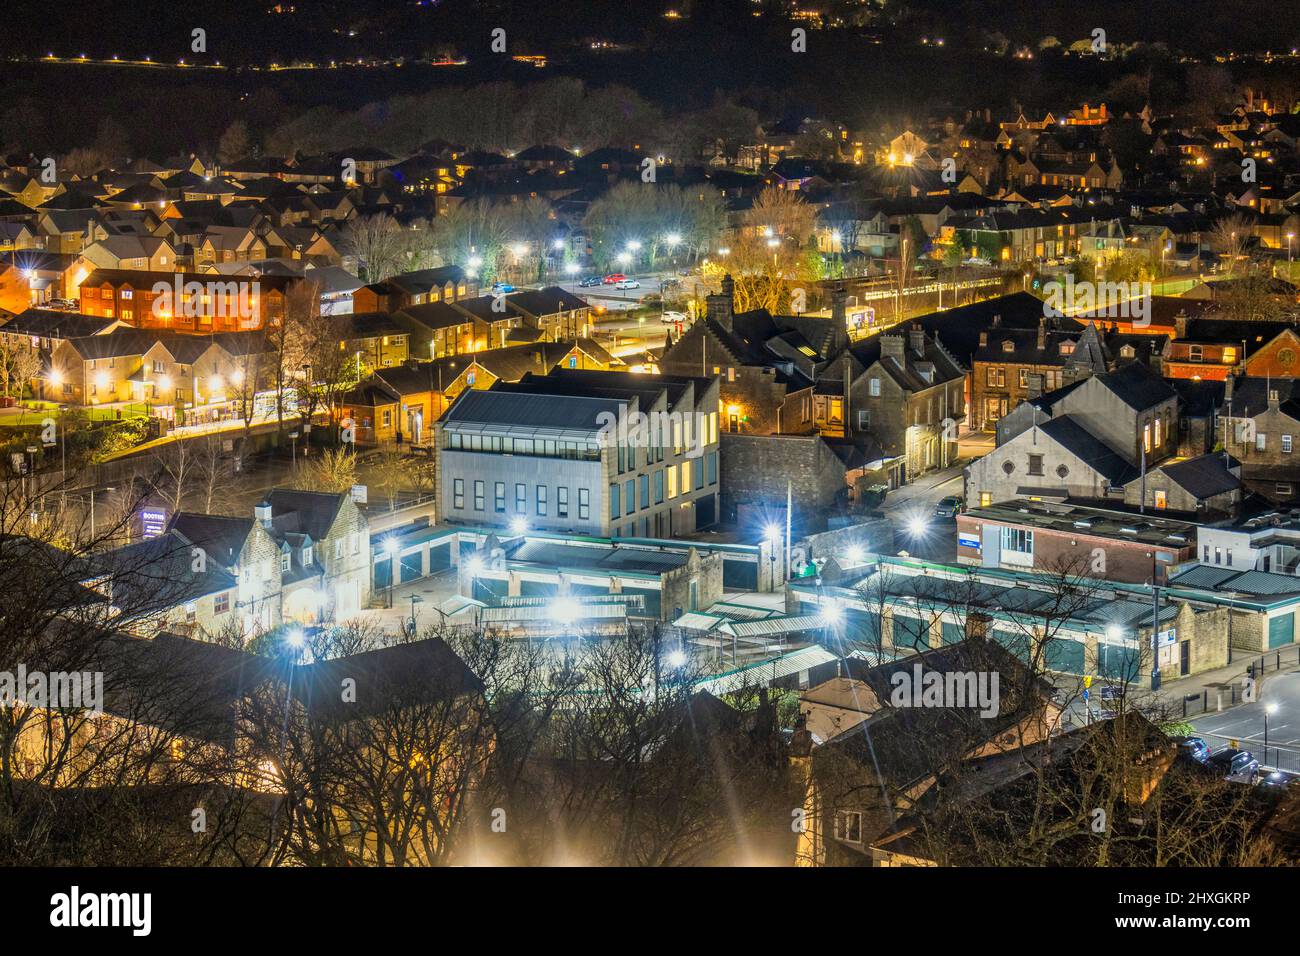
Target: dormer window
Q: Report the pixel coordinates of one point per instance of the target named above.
(1067, 348)
(285, 561)
(1008, 346)
(306, 555)
(1127, 352)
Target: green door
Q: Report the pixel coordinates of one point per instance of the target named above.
(1281, 629)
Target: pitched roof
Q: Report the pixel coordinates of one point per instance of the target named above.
(1084, 445)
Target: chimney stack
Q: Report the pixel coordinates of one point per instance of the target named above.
(720, 307)
(1227, 388)
(262, 513)
(892, 345)
(1180, 325)
(1042, 334)
(917, 337)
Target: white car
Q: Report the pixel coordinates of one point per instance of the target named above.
(627, 284)
(672, 318)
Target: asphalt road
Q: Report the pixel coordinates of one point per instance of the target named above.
(911, 510)
(1245, 724)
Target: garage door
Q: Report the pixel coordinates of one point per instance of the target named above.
(1281, 629)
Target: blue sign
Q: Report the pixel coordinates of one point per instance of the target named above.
(968, 541)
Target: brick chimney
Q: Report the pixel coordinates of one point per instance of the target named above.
(1042, 334)
(893, 345)
(916, 337)
(721, 306)
(1180, 325)
(1227, 388)
(839, 303)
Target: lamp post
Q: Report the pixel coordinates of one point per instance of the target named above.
(1269, 708)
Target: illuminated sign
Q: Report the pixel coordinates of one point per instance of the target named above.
(153, 522)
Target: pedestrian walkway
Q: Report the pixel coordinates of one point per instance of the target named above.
(1200, 693)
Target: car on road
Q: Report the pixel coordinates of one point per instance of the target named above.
(948, 507)
(63, 305)
(627, 284)
(500, 287)
(1234, 764)
(674, 317)
(1194, 747)
(614, 277)
(590, 281)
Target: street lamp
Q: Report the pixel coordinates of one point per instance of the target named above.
(390, 551)
(518, 525)
(1269, 708)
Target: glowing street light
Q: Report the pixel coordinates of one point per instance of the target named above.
(634, 245)
(518, 525)
(855, 553)
(565, 610)
(623, 258)
(676, 658)
(474, 566)
(673, 238)
(832, 615)
(917, 526)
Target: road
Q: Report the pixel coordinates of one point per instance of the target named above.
(911, 510)
(1280, 699)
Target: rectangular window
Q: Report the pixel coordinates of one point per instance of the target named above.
(521, 498)
(1018, 541)
(672, 481)
(499, 497)
(584, 504)
(458, 493)
(221, 604)
(848, 826)
(1146, 437)
(629, 496)
(615, 508)
(643, 484)
(697, 468)
(986, 498)
(659, 487)
(285, 561)
(864, 420)
(1286, 444)
(541, 501)
(875, 387)
(1260, 442)
(480, 489)
(686, 477)
(562, 502)
(1035, 464)
(711, 467)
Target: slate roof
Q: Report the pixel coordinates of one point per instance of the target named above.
(1079, 441)
(59, 325)
(304, 512)
(525, 410)
(1137, 386)
(1202, 477)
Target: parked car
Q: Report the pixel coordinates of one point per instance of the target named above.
(590, 281)
(1276, 778)
(614, 277)
(948, 507)
(65, 305)
(627, 284)
(1234, 764)
(1194, 747)
(499, 287)
(674, 317)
